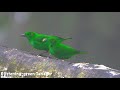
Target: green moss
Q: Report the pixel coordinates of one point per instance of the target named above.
(12, 66)
(50, 68)
(81, 75)
(41, 70)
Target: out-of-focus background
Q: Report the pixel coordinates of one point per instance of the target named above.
(95, 32)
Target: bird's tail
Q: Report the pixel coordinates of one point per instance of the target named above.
(67, 38)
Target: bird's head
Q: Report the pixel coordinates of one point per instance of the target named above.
(29, 35)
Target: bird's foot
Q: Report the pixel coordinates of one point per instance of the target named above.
(42, 55)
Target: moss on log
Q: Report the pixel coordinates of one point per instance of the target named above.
(20, 64)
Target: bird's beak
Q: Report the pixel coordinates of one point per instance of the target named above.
(22, 35)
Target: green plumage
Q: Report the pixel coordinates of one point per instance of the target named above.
(63, 51)
(52, 44)
(40, 41)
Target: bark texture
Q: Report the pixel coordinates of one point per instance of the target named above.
(20, 64)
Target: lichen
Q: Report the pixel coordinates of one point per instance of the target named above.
(49, 67)
(81, 75)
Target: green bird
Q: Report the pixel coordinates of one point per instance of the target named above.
(42, 41)
(62, 51)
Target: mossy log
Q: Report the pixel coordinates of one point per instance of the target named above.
(20, 64)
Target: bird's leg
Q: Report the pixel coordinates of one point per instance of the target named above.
(42, 54)
(49, 56)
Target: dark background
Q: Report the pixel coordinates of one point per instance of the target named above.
(95, 32)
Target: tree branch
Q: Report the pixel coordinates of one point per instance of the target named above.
(16, 64)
